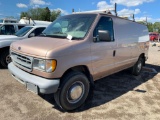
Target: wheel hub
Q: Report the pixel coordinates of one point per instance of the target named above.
(139, 66)
(8, 59)
(75, 92)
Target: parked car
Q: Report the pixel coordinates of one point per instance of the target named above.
(74, 51)
(154, 36)
(8, 20)
(10, 28)
(6, 40)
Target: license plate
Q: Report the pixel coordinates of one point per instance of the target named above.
(31, 87)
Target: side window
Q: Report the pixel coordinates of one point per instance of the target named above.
(38, 31)
(2, 30)
(9, 30)
(19, 27)
(104, 30)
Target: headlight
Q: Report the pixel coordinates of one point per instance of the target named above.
(45, 65)
(51, 65)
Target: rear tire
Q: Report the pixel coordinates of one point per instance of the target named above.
(73, 91)
(5, 58)
(137, 68)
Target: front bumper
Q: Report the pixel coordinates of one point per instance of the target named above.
(34, 83)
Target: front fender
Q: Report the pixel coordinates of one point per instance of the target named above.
(6, 43)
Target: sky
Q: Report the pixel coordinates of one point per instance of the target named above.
(141, 8)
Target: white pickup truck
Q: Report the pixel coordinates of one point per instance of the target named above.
(6, 40)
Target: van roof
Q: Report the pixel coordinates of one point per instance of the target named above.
(13, 24)
(37, 26)
(107, 14)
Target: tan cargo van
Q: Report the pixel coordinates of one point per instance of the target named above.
(74, 51)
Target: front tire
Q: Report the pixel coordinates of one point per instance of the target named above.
(73, 91)
(137, 68)
(5, 58)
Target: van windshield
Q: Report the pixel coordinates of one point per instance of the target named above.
(75, 25)
(23, 31)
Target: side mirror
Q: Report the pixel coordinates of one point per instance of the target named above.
(31, 35)
(104, 35)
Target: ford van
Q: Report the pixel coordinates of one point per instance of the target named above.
(76, 50)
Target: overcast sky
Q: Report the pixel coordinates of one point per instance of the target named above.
(141, 8)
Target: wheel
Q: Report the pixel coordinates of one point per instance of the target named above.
(5, 58)
(137, 68)
(73, 91)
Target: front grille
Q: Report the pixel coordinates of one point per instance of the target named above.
(22, 61)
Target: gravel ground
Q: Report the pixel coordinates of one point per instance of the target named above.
(121, 96)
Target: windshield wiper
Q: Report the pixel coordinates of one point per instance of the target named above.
(55, 36)
(77, 38)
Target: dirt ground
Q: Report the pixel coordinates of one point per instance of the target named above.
(121, 96)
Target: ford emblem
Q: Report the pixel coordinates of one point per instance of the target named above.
(19, 48)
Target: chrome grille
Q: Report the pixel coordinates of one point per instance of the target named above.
(22, 61)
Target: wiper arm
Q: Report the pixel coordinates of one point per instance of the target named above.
(55, 36)
(76, 38)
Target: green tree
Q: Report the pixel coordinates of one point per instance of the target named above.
(41, 14)
(36, 13)
(142, 22)
(55, 14)
(46, 14)
(23, 14)
(150, 27)
(156, 26)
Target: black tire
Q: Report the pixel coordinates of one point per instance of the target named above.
(73, 84)
(137, 68)
(5, 58)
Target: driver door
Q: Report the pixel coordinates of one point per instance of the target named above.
(103, 51)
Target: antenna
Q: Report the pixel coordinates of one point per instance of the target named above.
(73, 10)
(133, 18)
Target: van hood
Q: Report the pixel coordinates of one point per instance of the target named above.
(8, 37)
(38, 46)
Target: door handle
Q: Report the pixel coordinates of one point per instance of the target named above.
(114, 53)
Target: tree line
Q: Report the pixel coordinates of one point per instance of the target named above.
(44, 14)
(152, 27)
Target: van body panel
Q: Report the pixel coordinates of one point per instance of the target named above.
(41, 48)
(102, 59)
(61, 50)
(102, 54)
(128, 35)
